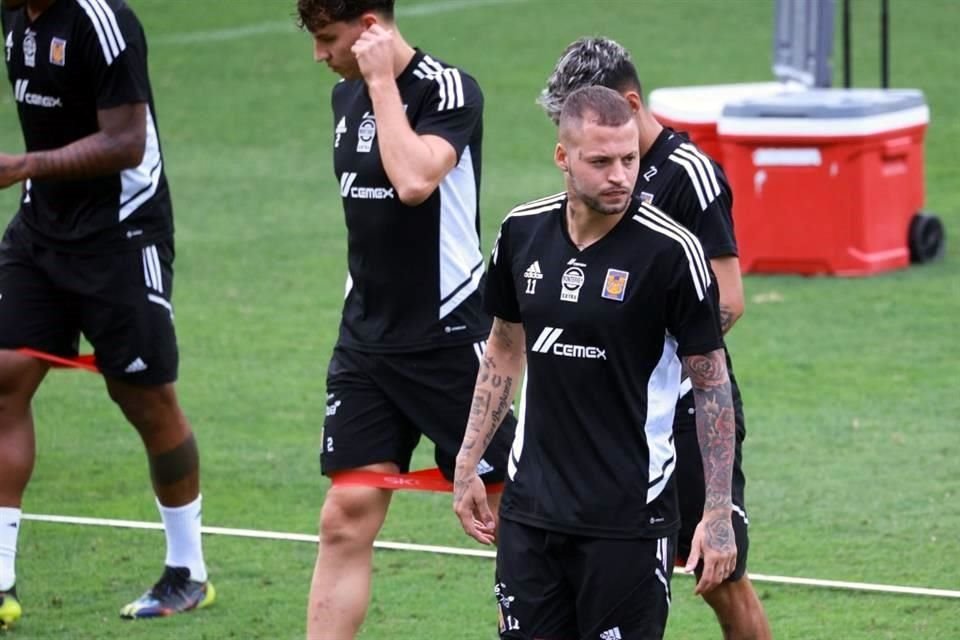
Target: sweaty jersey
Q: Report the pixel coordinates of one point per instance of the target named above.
(414, 271)
(680, 179)
(77, 57)
(605, 330)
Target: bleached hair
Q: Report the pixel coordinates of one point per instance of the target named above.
(589, 61)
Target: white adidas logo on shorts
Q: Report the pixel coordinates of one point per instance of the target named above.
(136, 366)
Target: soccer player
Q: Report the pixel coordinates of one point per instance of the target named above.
(605, 295)
(681, 180)
(407, 153)
(90, 251)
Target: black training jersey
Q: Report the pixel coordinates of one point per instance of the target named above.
(77, 57)
(414, 272)
(680, 179)
(605, 327)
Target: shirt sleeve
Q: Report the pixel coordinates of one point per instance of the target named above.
(693, 313)
(115, 50)
(704, 205)
(453, 109)
(500, 293)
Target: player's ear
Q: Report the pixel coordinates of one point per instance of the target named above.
(561, 158)
(634, 99)
(369, 19)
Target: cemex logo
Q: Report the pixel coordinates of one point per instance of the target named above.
(20, 95)
(547, 343)
(347, 190)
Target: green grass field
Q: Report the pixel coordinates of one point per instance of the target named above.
(851, 385)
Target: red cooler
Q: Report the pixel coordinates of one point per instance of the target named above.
(696, 110)
(825, 181)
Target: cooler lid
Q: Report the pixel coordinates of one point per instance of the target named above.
(803, 41)
(703, 104)
(820, 113)
(826, 103)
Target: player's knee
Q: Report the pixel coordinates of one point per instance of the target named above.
(19, 379)
(152, 410)
(351, 518)
(737, 609)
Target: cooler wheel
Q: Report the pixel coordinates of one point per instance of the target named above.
(926, 238)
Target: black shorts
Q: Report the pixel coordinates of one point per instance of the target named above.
(378, 405)
(690, 487)
(119, 301)
(554, 586)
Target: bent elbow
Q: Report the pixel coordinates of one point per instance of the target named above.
(737, 310)
(131, 151)
(415, 194)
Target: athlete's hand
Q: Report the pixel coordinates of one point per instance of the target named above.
(13, 169)
(714, 542)
(471, 506)
(374, 52)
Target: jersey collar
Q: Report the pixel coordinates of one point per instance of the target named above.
(659, 150)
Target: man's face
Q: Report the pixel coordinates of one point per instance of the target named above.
(332, 43)
(601, 163)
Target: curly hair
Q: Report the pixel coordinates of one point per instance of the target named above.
(316, 14)
(588, 62)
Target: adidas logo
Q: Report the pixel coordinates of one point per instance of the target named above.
(136, 366)
(611, 634)
(483, 467)
(533, 271)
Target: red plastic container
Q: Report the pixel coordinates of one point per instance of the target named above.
(825, 181)
(696, 110)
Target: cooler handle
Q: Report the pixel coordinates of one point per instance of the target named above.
(897, 147)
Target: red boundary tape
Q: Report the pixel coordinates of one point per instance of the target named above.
(422, 480)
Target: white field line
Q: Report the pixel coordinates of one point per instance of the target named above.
(476, 553)
(288, 26)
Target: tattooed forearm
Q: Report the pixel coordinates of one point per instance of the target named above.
(500, 411)
(501, 331)
(716, 428)
(500, 368)
(486, 364)
(708, 370)
(727, 318)
(479, 410)
(484, 421)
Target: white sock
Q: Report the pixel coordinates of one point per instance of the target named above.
(9, 528)
(182, 527)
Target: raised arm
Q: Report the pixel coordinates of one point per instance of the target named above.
(500, 370)
(713, 540)
(118, 145)
(415, 164)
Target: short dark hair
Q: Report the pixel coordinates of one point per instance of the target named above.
(317, 14)
(588, 62)
(604, 106)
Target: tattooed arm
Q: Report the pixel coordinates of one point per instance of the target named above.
(730, 283)
(713, 540)
(500, 369)
(118, 145)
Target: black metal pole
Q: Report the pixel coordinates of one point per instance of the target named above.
(884, 43)
(847, 77)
